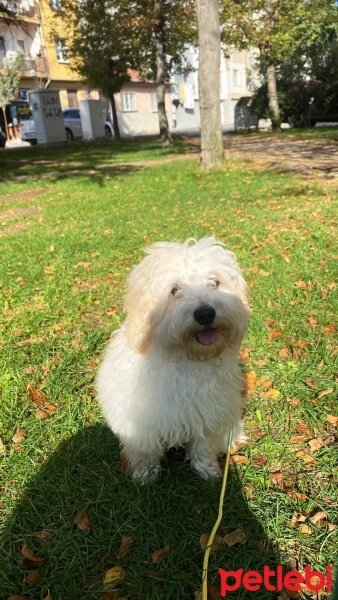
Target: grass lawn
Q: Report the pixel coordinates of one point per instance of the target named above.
(68, 242)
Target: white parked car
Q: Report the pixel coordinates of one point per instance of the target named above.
(73, 127)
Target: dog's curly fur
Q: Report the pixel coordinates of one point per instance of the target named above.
(171, 376)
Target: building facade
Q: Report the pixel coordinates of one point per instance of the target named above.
(29, 28)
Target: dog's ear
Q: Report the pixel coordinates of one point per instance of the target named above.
(140, 303)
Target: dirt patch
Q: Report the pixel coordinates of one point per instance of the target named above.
(24, 195)
(19, 216)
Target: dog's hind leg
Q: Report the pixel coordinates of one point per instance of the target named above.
(202, 459)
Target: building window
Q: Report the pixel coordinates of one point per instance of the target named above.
(2, 46)
(54, 4)
(154, 103)
(61, 50)
(235, 77)
(128, 103)
(20, 44)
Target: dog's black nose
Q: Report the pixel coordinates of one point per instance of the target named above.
(204, 315)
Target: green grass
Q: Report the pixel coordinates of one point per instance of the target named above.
(67, 246)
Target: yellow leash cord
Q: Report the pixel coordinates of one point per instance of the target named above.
(217, 523)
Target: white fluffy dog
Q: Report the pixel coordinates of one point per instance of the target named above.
(171, 376)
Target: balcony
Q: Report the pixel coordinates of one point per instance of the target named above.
(31, 67)
(19, 9)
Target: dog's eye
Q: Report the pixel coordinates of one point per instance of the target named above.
(175, 290)
(214, 283)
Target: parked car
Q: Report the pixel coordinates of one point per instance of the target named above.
(73, 127)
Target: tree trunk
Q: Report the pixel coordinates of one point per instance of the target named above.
(273, 96)
(209, 82)
(5, 121)
(115, 120)
(161, 72)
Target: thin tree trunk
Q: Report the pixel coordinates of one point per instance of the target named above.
(5, 122)
(161, 72)
(209, 82)
(273, 96)
(115, 120)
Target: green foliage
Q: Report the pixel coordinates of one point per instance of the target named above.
(278, 28)
(108, 37)
(9, 79)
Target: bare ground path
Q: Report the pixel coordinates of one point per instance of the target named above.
(306, 157)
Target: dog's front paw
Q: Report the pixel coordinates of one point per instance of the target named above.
(206, 468)
(143, 473)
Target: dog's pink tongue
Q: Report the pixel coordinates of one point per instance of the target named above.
(207, 336)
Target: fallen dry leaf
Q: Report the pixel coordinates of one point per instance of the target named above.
(276, 477)
(213, 593)
(329, 329)
(112, 310)
(332, 419)
(19, 436)
(36, 395)
(319, 518)
(315, 444)
(30, 558)
(293, 401)
(157, 555)
(265, 383)
(42, 534)
(298, 517)
(325, 393)
(235, 537)
(303, 429)
(250, 381)
(284, 353)
(331, 526)
(304, 529)
(297, 439)
(83, 264)
(244, 354)
(113, 577)
(45, 411)
(272, 394)
(307, 458)
(125, 546)
(259, 460)
(2, 446)
(301, 284)
(216, 544)
(309, 383)
(297, 495)
(239, 459)
(32, 578)
(112, 595)
(82, 520)
(312, 321)
(275, 333)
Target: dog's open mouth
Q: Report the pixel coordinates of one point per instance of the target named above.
(207, 336)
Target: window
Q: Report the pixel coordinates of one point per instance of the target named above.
(235, 77)
(128, 103)
(2, 46)
(20, 44)
(54, 4)
(61, 50)
(154, 104)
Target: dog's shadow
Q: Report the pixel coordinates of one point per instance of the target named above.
(83, 475)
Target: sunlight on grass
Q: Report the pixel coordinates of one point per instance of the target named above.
(67, 247)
